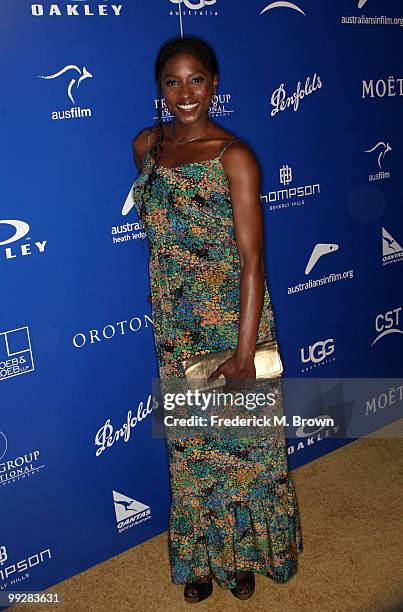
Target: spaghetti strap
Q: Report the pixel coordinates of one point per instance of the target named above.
(227, 144)
(147, 153)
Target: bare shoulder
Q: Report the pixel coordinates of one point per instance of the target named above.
(238, 159)
(139, 145)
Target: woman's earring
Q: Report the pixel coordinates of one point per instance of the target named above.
(215, 102)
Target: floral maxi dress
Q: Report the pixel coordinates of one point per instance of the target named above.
(233, 502)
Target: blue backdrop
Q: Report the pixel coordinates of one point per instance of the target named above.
(316, 89)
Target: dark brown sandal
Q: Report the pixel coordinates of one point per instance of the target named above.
(245, 586)
(197, 591)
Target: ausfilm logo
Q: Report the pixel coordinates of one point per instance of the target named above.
(318, 354)
(287, 5)
(219, 107)
(20, 570)
(281, 101)
(78, 9)
(109, 331)
(386, 324)
(17, 468)
(380, 149)
(392, 252)
(320, 250)
(70, 77)
(15, 353)
(107, 435)
(290, 196)
(129, 512)
(16, 231)
(194, 8)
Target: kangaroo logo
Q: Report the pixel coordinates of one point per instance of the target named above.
(282, 4)
(390, 245)
(384, 148)
(319, 250)
(84, 74)
(361, 3)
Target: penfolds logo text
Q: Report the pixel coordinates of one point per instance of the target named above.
(280, 101)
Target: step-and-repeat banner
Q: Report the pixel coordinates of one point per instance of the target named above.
(316, 89)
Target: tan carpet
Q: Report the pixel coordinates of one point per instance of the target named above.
(351, 513)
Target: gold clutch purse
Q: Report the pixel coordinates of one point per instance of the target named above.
(198, 368)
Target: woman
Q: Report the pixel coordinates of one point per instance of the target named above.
(234, 510)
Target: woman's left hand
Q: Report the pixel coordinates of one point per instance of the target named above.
(239, 372)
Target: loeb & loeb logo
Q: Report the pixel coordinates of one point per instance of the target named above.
(20, 230)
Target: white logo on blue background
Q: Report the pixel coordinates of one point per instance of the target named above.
(74, 81)
(15, 353)
(129, 512)
(282, 4)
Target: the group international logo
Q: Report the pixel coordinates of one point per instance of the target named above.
(79, 8)
(220, 107)
(319, 251)
(392, 252)
(15, 353)
(280, 101)
(13, 571)
(290, 196)
(387, 323)
(206, 8)
(73, 80)
(318, 354)
(380, 149)
(13, 469)
(129, 512)
(282, 4)
(14, 241)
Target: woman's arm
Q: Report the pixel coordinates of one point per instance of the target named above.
(242, 170)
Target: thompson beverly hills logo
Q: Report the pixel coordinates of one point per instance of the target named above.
(76, 9)
(318, 354)
(380, 150)
(19, 230)
(281, 101)
(106, 436)
(70, 77)
(220, 107)
(392, 252)
(291, 196)
(17, 571)
(15, 353)
(288, 5)
(387, 323)
(129, 512)
(194, 7)
(319, 250)
(17, 468)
